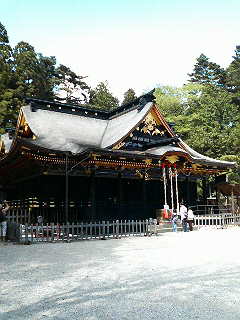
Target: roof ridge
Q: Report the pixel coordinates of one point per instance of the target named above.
(87, 111)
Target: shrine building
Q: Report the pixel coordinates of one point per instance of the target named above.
(73, 163)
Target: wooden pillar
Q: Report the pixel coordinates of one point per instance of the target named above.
(232, 198)
(120, 194)
(204, 193)
(66, 189)
(217, 194)
(144, 197)
(204, 189)
(188, 190)
(93, 195)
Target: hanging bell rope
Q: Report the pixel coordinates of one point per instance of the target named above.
(165, 185)
(171, 184)
(176, 180)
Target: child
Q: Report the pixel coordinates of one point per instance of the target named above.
(174, 220)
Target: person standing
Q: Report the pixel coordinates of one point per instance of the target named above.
(3, 220)
(190, 219)
(183, 214)
(174, 220)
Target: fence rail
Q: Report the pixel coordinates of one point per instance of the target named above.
(212, 209)
(221, 220)
(84, 231)
(115, 229)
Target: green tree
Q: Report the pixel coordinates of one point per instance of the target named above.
(25, 73)
(102, 98)
(204, 117)
(71, 87)
(212, 119)
(233, 72)
(25, 65)
(234, 174)
(129, 96)
(207, 72)
(174, 102)
(7, 80)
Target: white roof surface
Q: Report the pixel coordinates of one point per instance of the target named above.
(69, 132)
(76, 133)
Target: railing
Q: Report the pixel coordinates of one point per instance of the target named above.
(211, 209)
(115, 229)
(28, 211)
(86, 231)
(221, 220)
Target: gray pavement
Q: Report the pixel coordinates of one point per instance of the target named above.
(194, 275)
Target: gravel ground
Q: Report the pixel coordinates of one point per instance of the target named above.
(194, 275)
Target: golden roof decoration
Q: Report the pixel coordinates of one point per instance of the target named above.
(150, 126)
(173, 158)
(148, 161)
(118, 146)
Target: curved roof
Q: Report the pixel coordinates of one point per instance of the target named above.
(70, 132)
(62, 131)
(204, 159)
(121, 125)
(61, 128)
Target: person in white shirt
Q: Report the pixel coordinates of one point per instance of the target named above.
(183, 214)
(190, 219)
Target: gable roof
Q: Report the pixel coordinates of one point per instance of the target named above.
(67, 128)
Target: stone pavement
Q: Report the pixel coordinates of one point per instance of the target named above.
(194, 275)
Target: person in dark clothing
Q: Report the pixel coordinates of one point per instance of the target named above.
(3, 220)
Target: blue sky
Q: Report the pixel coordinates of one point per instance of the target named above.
(131, 44)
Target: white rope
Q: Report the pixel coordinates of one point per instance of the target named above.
(176, 180)
(165, 185)
(171, 182)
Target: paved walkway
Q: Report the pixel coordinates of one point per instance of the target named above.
(173, 276)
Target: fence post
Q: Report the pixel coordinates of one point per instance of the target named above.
(121, 228)
(155, 226)
(108, 230)
(47, 232)
(147, 229)
(31, 233)
(99, 230)
(91, 230)
(20, 233)
(73, 233)
(26, 232)
(140, 227)
(58, 231)
(117, 229)
(103, 233)
(223, 220)
(133, 229)
(68, 240)
(52, 232)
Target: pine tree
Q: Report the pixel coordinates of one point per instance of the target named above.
(25, 73)
(233, 72)
(7, 81)
(102, 98)
(207, 72)
(129, 96)
(71, 87)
